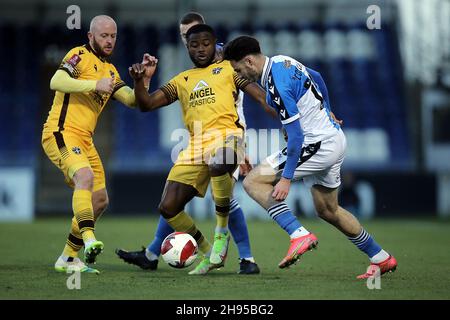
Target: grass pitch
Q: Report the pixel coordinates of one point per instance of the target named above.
(28, 252)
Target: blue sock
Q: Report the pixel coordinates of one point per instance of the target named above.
(162, 231)
(365, 243)
(284, 217)
(238, 229)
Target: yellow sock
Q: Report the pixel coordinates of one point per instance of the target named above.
(222, 188)
(183, 222)
(84, 213)
(69, 251)
(74, 241)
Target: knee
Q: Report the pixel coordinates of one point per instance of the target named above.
(166, 209)
(84, 179)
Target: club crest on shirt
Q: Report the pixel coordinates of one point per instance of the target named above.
(287, 64)
(76, 150)
(217, 70)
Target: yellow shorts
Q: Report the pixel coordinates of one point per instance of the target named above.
(70, 152)
(193, 170)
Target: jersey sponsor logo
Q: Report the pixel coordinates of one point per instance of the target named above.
(200, 85)
(217, 70)
(76, 150)
(202, 94)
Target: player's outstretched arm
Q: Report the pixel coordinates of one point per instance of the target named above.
(63, 82)
(146, 101)
(256, 92)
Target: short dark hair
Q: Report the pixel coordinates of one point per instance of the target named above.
(240, 47)
(200, 28)
(192, 17)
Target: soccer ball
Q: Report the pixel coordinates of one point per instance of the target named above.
(179, 250)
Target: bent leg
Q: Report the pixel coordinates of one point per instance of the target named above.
(175, 196)
(221, 168)
(162, 231)
(259, 185)
(83, 210)
(239, 230)
(100, 202)
(327, 207)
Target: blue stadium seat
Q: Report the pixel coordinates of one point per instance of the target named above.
(365, 89)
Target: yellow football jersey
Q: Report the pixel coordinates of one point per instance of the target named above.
(79, 112)
(207, 97)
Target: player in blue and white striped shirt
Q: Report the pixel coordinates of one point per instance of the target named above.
(315, 152)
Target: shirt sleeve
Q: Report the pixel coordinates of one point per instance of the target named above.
(170, 90)
(73, 63)
(126, 96)
(317, 78)
(294, 148)
(62, 82)
(118, 82)
(240, 83)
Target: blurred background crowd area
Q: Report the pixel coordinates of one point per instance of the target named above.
(390, 85)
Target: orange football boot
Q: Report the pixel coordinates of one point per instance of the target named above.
(298, 247)
(388, 265)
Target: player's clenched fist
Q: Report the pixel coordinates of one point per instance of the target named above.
(105, 85)
(137, 71)
(149, 62)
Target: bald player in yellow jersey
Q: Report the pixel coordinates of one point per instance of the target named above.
(207, 94)
(84, 83)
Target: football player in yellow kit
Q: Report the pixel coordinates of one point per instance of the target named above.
(147, 258)
(207, 94)
(83, 84)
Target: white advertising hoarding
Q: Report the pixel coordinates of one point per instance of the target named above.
(16, 194)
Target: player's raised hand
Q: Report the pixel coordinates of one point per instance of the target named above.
(137, 71)
(149, 62)
(105, 85)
